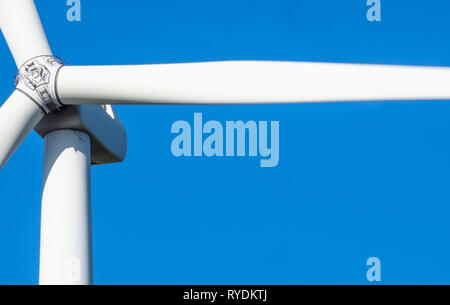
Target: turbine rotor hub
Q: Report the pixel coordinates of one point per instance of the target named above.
(37, 79)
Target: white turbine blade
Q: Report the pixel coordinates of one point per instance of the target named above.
(18, 116)
(22, 28)
(249, 82)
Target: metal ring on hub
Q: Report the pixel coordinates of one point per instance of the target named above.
(37, 79)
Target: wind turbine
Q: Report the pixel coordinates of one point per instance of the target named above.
(70, 107)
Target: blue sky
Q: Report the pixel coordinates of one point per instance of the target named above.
(354, 180)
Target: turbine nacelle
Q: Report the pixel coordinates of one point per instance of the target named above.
(107, 133)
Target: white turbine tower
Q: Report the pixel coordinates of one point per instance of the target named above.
(48, 96)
